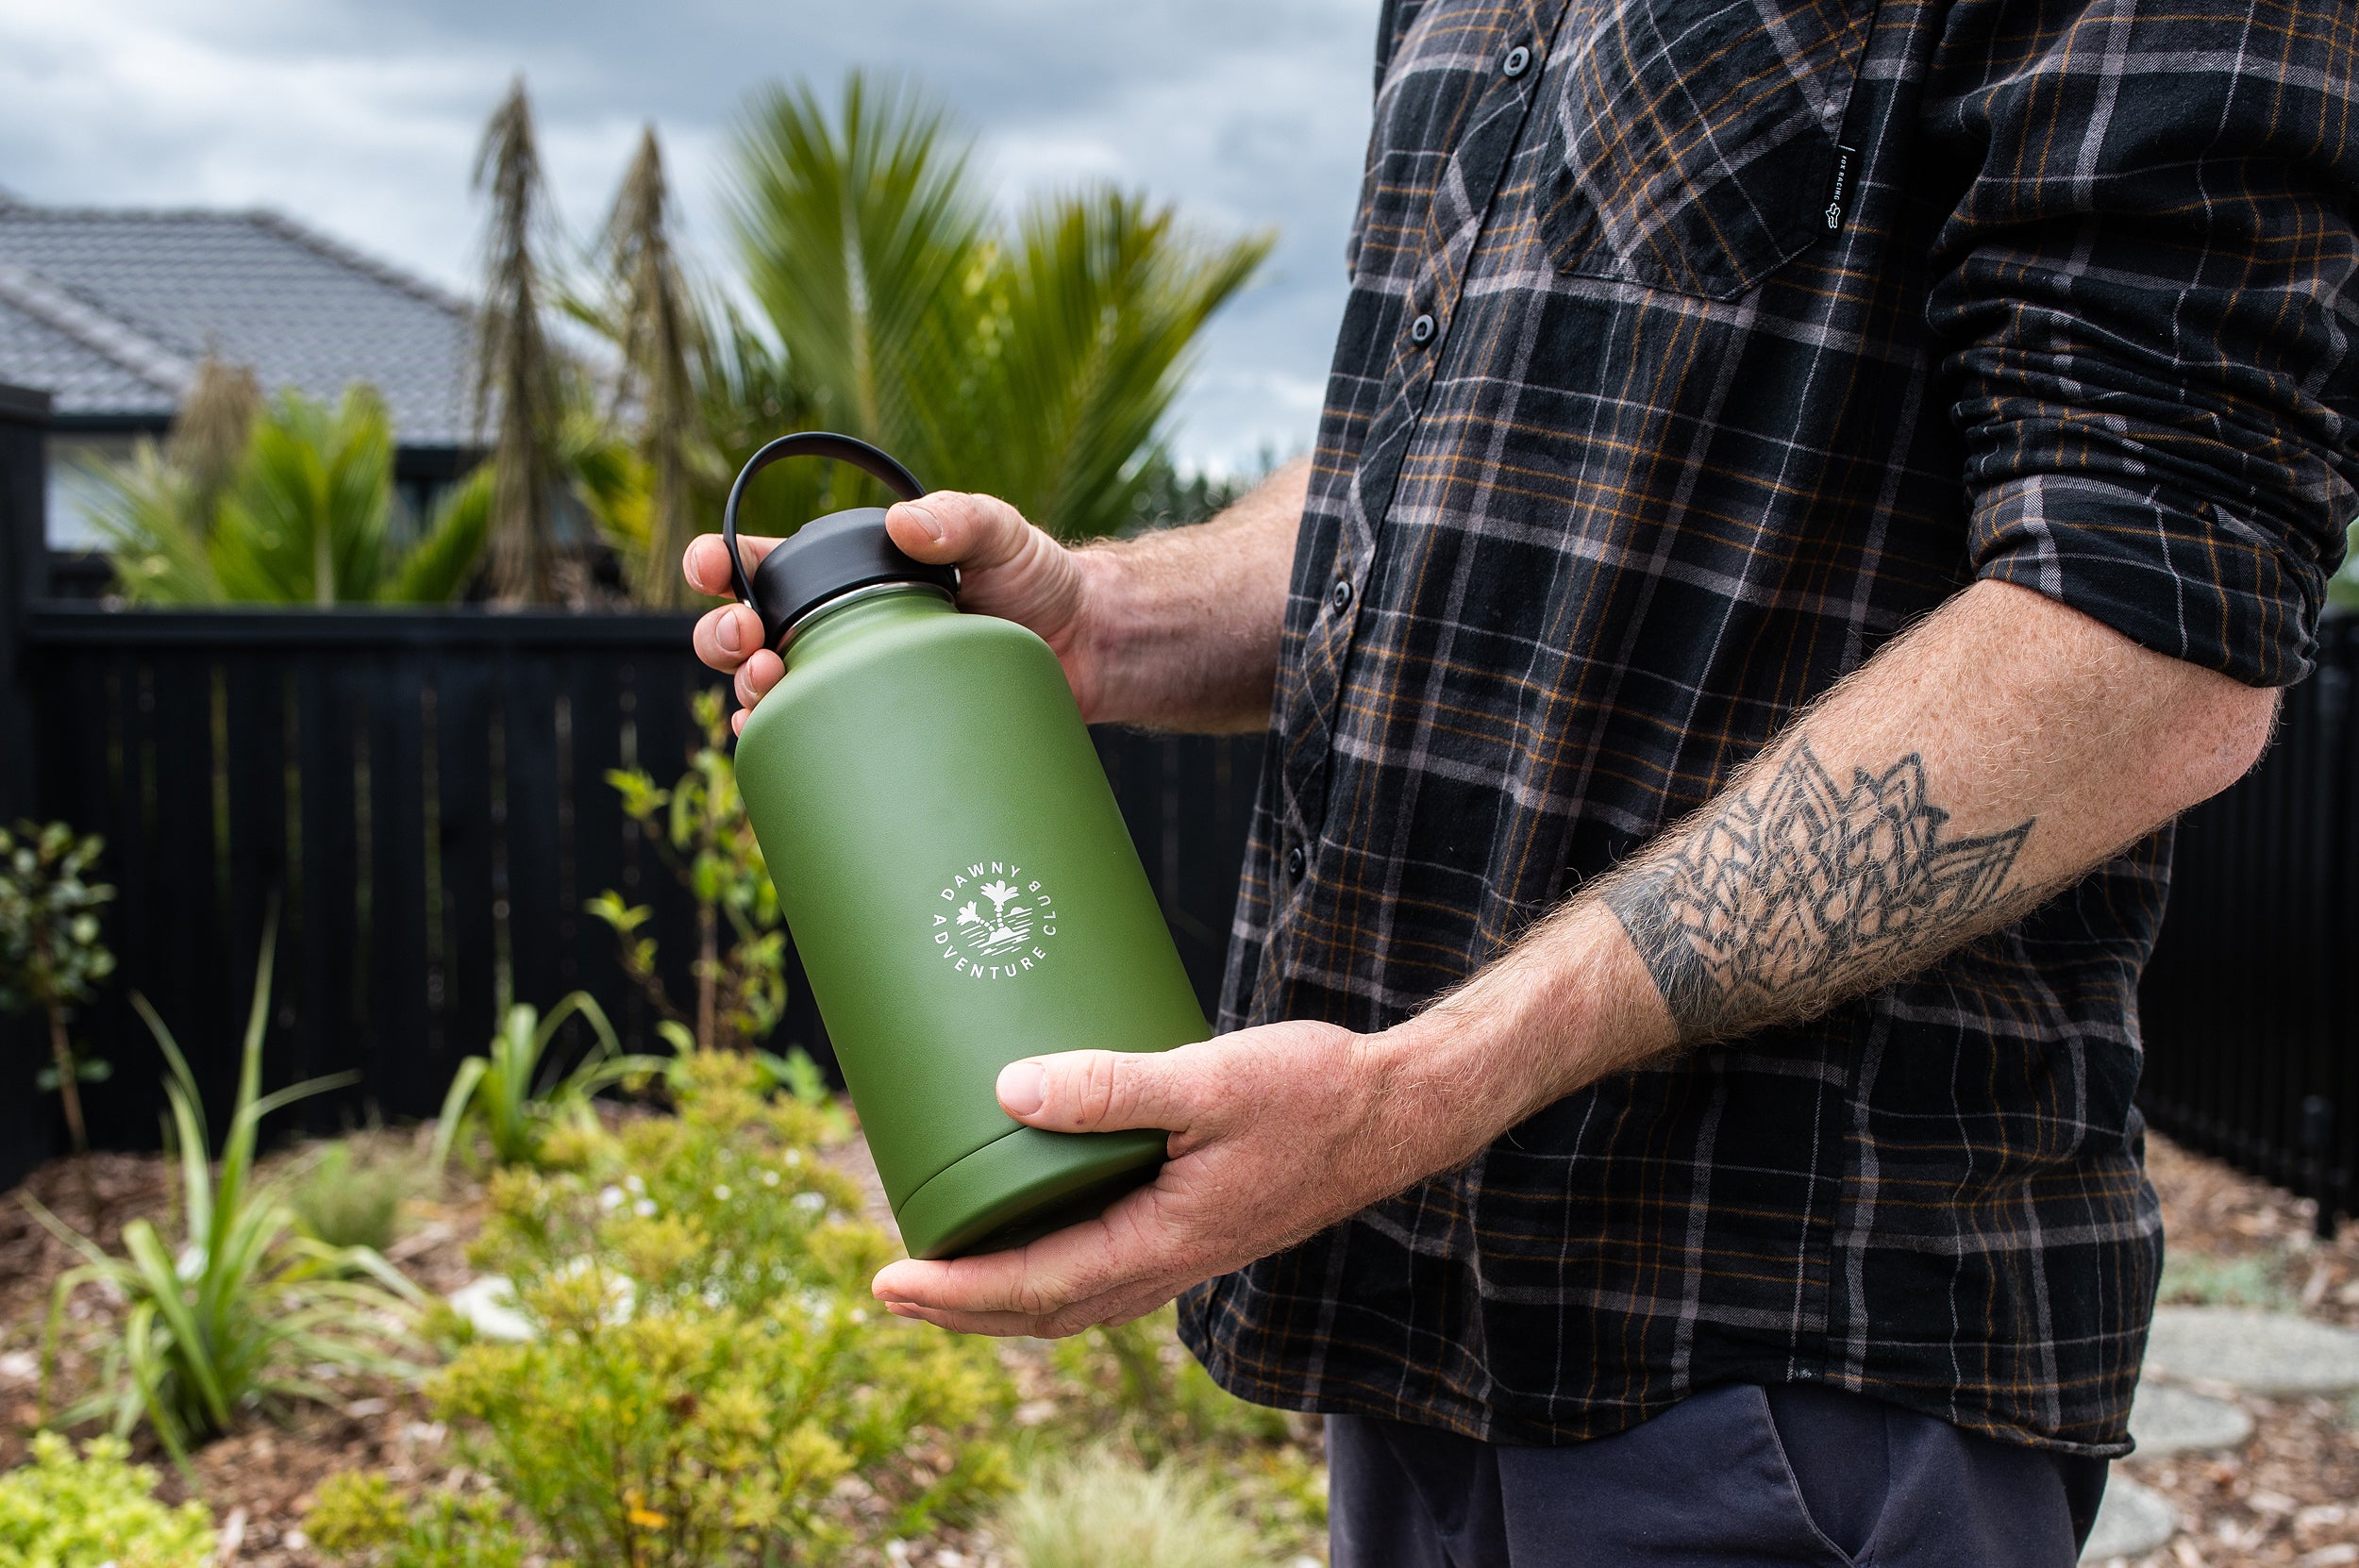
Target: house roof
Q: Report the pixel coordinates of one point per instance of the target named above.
(111, 310)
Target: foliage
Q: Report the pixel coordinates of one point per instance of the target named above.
(67, 1512)
(519, 388)
(303, 517)
(2197, 1279)
(709, 1383)
(698, 828)
(514, 1094)
(51, 959)
(244, 1313)
(1143, 1394)
(1035, 361)
(362, 1520)
(1155, 1396)
(2342, 589)
(1105, 1513)
(351, 1195)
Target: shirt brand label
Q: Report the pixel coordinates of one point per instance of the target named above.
(1839, 194)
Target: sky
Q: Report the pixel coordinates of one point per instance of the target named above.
(361, 120)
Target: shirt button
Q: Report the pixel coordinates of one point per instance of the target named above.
(1340, 596)
(1295, 862)
(1421, 331)
(1517, 62)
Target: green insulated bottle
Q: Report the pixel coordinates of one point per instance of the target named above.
(953, 869)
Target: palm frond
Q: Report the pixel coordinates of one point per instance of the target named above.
(864, 239)
(156, 525)
(517, 387)
(439, 567)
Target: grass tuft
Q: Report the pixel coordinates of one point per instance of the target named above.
(1103, 1513)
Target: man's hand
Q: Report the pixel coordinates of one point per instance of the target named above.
(1007, 567)
(1176, 629)
(1276, 1133)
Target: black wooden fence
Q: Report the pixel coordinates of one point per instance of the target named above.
(2251, 1006)
(423, 797)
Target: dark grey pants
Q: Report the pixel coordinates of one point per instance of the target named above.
(1737, 1476)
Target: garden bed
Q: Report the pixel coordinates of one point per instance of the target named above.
(2289, 1495)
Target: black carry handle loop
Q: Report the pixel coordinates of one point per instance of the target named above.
(808, 444)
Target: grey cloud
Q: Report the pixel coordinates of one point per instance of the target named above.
(1249, 113)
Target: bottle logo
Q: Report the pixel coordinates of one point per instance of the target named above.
(994, 920)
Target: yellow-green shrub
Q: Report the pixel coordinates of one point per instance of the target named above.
(65, 1512)
(711, 1383)
(361, 1519)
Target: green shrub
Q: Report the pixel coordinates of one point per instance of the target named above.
(351, 1195)
(362, 1520)
(709, 1383)
(2195, 1279)
(698, 827)
(51, 959)
(65, 1512)
(1103, 1513)
(243, 1312)
(1153, 1394)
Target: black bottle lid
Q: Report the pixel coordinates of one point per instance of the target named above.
(828, 557)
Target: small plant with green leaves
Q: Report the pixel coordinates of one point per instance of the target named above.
(244, 1313)
(515, 1095)
(1149, 1393)
(64, 1510)
(51, 958)
(362, 1521)
(699, 829)
(351, 1193)
(707, 1383)
(1100, 1513)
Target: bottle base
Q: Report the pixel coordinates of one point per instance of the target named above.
(1021, 1186)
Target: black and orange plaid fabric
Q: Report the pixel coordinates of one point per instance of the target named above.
(1695, 348)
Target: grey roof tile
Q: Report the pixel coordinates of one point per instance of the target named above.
(100, 307)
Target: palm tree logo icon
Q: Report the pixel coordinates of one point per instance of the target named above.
(1004, 929)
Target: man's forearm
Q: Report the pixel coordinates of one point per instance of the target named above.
(1972, 769)
(1185, 621)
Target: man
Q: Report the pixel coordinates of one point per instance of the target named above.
(1808, 489)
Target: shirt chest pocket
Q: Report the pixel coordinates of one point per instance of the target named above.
(1694, 143)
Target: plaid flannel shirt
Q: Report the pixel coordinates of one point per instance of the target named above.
(1694, 348)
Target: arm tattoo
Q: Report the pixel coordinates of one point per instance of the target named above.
(1795, 893)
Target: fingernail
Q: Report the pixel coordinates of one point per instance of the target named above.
(1023, 1085)
(727, 633)
(933, 528)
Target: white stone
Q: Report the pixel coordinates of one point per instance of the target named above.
(2268, 1353)
(2132, 1523)
(2167, 1420)
(489, 1302)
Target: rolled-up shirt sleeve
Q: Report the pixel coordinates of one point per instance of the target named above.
(2148, 294)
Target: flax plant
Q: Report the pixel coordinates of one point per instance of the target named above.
(514, 1094)
(246, 1311)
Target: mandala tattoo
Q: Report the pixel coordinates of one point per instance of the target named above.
(1769, 906)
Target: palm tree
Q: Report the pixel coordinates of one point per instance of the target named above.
(1038, 364)
(301, 514)
(517, 374)
(656, 328)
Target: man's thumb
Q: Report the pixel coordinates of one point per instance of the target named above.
(1094, 1092)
